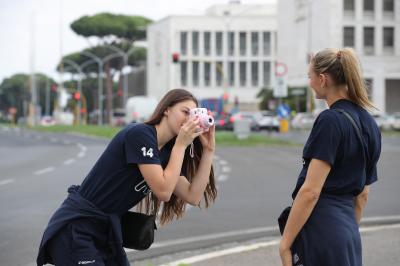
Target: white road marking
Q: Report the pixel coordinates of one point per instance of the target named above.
(223, 162)
(81, 154)
(6, 181)
(54, 140)
(224, 252)
(43, 171)
(211, 237)
(226, 169)
(222, 178)
(250, 247)
(67, 162)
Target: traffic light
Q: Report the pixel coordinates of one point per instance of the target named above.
(77, 96)
(175, 57)
(54, 87)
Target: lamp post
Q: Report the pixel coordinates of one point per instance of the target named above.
(80, 74)
(99, 83)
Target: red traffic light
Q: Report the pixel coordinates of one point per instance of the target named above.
(54, 87)
(77, 95)
(175, 57)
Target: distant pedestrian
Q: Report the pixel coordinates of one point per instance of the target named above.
(339, 165)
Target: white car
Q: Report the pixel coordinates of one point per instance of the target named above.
(268, 120)
(47, 121)
(396, 121)
(303, 121)
(384, 121)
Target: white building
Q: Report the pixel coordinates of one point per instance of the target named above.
(371, 27)
(231, 48)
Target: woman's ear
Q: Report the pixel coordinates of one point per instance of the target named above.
(323, 80)
(166, 112)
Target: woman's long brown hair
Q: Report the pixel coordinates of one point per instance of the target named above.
(175, 207)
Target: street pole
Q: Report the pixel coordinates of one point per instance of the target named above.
(99, 84)
(80, 74)
(47, 96)
(32, 80)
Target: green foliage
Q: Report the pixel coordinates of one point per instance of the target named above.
(105, 24)
(15, 92)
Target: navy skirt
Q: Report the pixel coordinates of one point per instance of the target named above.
(330, 236)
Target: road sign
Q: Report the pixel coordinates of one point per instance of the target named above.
(280, 88)
(280, 69)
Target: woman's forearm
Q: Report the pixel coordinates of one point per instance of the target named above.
(359, 203)
(302, 207)
(173, 168)
(201, 178)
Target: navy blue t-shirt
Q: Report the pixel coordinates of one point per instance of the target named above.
(333, 139)
(115, 183)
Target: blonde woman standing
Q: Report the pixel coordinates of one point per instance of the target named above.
(339, 165)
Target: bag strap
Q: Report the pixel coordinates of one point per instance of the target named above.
(357, 129)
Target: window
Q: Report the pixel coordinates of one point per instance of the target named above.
(266, 43)
(207, 42)
(242, 73)
(195, 42)
(254, 43)
(242, 43)
(388, 37)
(231, 42)
(195, 73)
(218, 73)
(183, 43)
(218, 43)
(231, 72)
(388, 5)
(348, 36)
(369, 5)
(369, 40)
(254, 74)
(267, 73)
(348, 5)
(183, 73)
(207, 69)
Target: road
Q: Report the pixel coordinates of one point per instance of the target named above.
(254, 185)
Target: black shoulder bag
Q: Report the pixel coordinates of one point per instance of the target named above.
(138, 230)
(283, 217)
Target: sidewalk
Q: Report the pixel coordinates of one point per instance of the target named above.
(381, 246)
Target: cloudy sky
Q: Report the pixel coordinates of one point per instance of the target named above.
(19, 17)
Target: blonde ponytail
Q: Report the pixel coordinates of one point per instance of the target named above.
(344, 68)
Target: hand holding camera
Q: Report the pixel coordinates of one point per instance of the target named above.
(205, 119)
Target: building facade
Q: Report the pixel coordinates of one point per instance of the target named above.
(230, 50)
(371, 27)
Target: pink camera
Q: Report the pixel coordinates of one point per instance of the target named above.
(206, 120)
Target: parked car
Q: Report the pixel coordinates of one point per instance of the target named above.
(248, 116)
(223, 122)
(396, 121)
(303, 121)
(118, 118)
(384, 121)
(268, 120)
(47, 121)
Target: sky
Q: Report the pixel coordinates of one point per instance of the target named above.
(45, 18)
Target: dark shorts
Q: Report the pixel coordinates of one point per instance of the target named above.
(82, 242)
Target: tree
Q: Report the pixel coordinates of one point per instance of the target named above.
(15, 92)
(117, 30)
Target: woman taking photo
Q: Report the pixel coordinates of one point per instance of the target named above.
(339, 165)
(157, 157)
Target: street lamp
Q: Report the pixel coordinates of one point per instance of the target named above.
(79, 70)
(99, 83)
